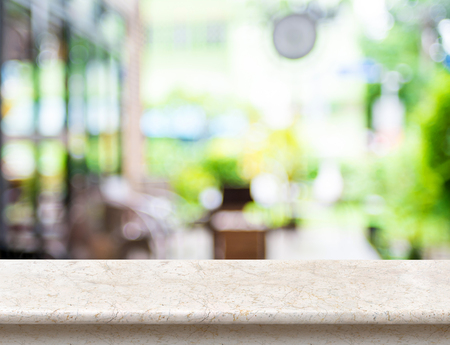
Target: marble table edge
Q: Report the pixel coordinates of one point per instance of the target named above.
(276, 317)
(426, 282)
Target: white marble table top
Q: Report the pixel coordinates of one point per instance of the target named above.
(225, 292)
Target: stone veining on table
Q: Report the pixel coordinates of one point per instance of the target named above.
(225, 292)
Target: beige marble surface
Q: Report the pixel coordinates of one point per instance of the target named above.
(224, 292)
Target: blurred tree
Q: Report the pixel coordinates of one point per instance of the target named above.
(414, 180)
(434, 114)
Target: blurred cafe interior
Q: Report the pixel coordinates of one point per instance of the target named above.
(241, 129)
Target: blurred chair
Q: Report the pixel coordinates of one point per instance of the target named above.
(234, 237)
(143, 218)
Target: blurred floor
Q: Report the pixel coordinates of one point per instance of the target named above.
(328, 233)
(192, 244)
(319, 243)
(326, 243)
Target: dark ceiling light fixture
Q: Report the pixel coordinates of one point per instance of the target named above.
(294, 35)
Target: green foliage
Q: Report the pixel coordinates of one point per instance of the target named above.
(225, 170)
(373, 92)
(92, 156)
(414, 180)
(402, 45)
(435, 117)
(311, 169)
(399, 51)
(283, 147)
(192, 181)
(411, 191)
(191, 167)
(167, 157)
(272, 217)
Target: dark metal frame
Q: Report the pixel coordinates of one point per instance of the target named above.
(58, 12)
(2, 182)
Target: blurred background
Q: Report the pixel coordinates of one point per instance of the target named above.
(186, 129)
